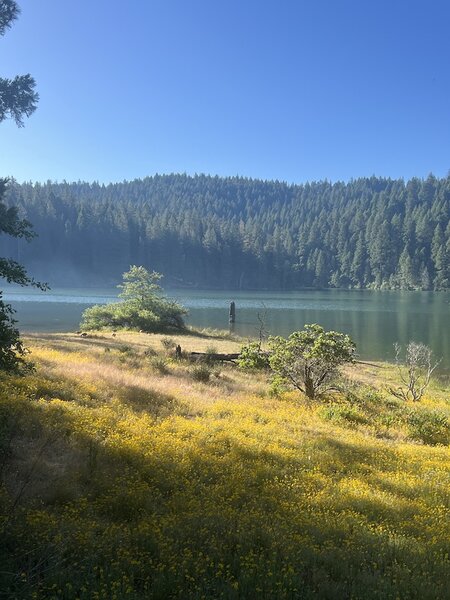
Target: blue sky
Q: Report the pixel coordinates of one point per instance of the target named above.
(290, 90)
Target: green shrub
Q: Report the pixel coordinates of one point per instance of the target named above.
(277, 386)
(429, 427)
(143, 306)
(252, 357)
(342, 412)
(201, 373)
(159, 364)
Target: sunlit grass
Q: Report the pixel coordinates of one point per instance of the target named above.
(125, 482)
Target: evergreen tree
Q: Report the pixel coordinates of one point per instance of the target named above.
(11, 347)
(18, 97)
(406, 279)
(440, 257)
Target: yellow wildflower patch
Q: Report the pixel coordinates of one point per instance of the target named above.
(121, 483)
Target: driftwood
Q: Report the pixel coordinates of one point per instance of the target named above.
(213, 356)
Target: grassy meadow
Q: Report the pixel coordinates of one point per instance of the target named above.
(130, 475)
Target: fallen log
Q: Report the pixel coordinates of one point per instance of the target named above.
(361, 362)
(213, 356)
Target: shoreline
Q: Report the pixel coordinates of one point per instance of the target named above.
(198, 341)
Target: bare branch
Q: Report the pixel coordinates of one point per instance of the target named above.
(415, 373)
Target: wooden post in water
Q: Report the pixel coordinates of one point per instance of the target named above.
(232, 312)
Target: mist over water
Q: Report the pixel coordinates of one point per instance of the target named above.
(374, 319)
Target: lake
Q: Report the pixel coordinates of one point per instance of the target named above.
(374, 319)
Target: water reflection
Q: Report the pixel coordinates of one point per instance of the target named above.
(376, 320)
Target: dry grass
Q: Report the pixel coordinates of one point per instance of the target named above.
(383, 375)
(96, 342)
(119, 364)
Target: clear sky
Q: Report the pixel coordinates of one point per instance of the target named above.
(294, 90)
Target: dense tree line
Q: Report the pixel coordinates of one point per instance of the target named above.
(240, 233)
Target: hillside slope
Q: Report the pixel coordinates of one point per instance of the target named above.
(129, 475)
(236, 233)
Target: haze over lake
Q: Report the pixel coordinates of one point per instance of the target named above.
(374, 319)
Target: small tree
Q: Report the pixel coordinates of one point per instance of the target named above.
(252, 357)
(309, 360)
(415, 372)
(143, 307)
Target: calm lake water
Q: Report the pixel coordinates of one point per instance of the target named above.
(374, 319)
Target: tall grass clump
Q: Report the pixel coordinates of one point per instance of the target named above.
(159, 364)
(201, 372)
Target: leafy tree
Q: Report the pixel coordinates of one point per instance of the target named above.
(309, 360)
(11, 347)
(18, 97)
(143, 307)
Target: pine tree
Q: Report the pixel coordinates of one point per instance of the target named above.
(18, 98)
(232, 232)
(11, 347)
(405, 271)
(440, 257)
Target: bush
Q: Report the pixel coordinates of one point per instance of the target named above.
(429, 427)
(253, 358)
(143, 306)
(342, 412)
(201, 373)
(12, 351)
(159, 364)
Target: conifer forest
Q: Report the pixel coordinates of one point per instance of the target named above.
(239, 233)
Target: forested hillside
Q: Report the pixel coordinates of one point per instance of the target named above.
(240, 233)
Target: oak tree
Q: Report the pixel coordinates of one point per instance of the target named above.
(309, 360)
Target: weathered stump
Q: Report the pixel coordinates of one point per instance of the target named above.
(232, 312)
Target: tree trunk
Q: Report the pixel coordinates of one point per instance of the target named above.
(309, 388)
